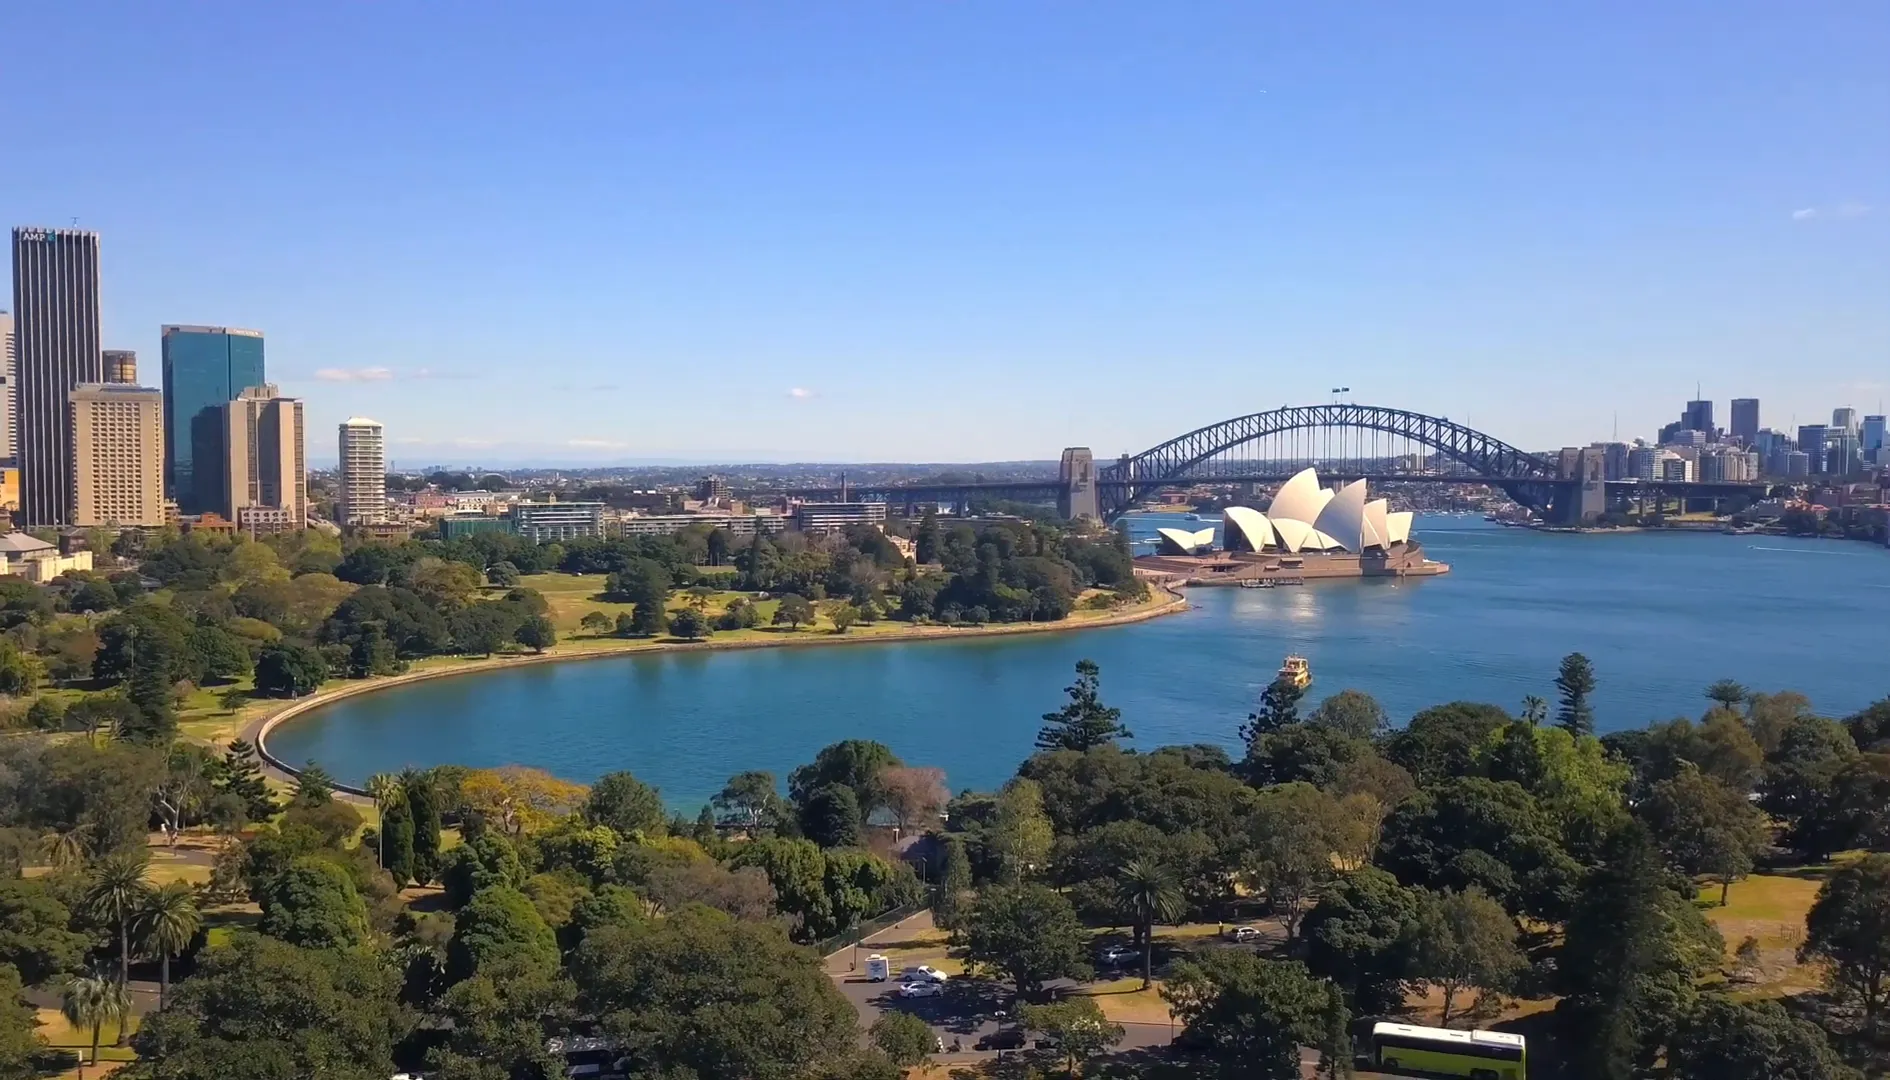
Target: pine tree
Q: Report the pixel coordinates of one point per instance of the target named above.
(1576, 681)
(1084, 722)
(397, 841)
(1279, 706)
(424, 806)
(242, 777)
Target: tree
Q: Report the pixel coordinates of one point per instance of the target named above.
(1534, 710)
(649, 619)
(1574, 683)
(793, 611)
(1491, 834)
(855, 763)
(843, 616)
(499, 928)
(117, 893)
(19, 672)
(516, 800)
(916, 795)
(35, 940)
(1248, 1016)
(1350, 712)
(1084, 721)
(396, 842)
(926, 540)
(502, 574)
(313, 904)
(1076, 1026)
(1635, 948)
(93, 1000)
(165, 926)
(1728, 694)
(831, 817)
(690, 624)
(1279, 708)
(313, 786)
(1849, 927)
(259, 1008)
(1021, 833)
(487, 861)
(1028, 934)
(904, 1038)
(536, 634)
(1360, 936)
(286, 669)
(626, 804)
(1442, 742)
(595, 623)
(1147, 892)
(422, 801)
(1465, 940)
(702, 994)
(20, 1042)
(1704, 828)
(1724, 1039)
(954, 884)
(644, 581)
(1801, 786)
(482, 628)
(1296, 831)
(752, 800)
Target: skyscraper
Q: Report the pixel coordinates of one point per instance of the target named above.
(265, 472)
(55, 311)
(1873, 434)
(1699, 417)
(363, 472)
(121, 366)
(9, 376)
(117, 455)
(1815, 440)
(1745, 420)
(1844, 420)
(205, 367)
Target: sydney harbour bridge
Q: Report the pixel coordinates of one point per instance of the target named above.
(1344, 441)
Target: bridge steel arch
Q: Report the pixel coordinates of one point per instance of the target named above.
(1529, 478)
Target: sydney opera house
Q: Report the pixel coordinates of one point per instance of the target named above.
(1308, 531)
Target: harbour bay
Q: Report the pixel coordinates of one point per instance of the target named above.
(1661, 615)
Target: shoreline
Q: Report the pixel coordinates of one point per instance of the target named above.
(257, 729)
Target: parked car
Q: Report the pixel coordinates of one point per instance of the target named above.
(1116, 955)
(923, 973)
(1243, 934)
(1011, 1038)
(921, 989)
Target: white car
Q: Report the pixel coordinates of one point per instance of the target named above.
(1116, 954)
(1244, 933)
(923, 973)
(921, 989)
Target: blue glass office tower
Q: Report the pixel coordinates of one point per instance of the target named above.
(205, 368)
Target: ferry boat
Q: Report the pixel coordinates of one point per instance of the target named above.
(1296, 671)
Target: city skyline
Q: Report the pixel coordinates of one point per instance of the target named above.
(821, 213)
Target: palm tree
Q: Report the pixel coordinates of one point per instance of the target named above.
(90, 1000)
(65, 849)
(118, 893)
(165, 925)
(1149, 895)
(385, 788)
(1535, 710)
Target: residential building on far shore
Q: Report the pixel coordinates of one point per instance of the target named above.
(363, 497)
(825, 517)
(117, 456)
(541, 522)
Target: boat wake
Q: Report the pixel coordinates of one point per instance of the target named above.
(1798, 551)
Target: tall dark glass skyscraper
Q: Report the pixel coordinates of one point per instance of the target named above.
(205, 368)
(56, 342)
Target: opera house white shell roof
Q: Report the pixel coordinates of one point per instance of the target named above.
(1307, 517)
(1183, 542)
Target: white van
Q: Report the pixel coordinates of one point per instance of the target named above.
(878, 968)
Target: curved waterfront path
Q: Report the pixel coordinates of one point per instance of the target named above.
(1164, 601)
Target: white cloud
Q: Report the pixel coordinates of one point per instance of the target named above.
(596, 444)
(1806, 214)
(366, 374)
(800, 393)
(1843, 211)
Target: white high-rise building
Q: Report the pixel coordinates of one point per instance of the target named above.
(264, 475)
(363, 472)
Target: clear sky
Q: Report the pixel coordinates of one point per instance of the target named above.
(974, 230)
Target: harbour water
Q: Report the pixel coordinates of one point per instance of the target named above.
(1660, 614)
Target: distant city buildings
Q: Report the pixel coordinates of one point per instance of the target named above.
(1745, 420)
(544, 522)
(363, 497)
(117, 456)
(205, 368)
(265, 474)
(56, 343)
(121, 366)
(826, 517)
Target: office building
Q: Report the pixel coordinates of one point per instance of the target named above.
(1675, 469)
(363, 499)
(461, 526)
(1814, 440)
(56, 345)
(1844, 420)
(117, 455)
(1874, 434)
(1745, 420)
(1614, 456)
(121, 366)
(713, 488)
(824, 517)
(670, 524)
(1643, 463)
(265, 473)
(1797, 464)
(8, 375)
(205, 367)
(541, 522)
(1699, 417)
(1689, 437)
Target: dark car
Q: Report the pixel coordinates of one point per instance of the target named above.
(1003, 1039)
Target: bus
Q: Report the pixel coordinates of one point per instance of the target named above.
(1429, 1051)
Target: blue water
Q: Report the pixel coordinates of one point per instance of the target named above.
(1660, 614)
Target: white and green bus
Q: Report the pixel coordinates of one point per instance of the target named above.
(1429, 1051)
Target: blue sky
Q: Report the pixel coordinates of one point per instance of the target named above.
(974, 230)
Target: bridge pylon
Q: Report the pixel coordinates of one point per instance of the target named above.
(1077, 475)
